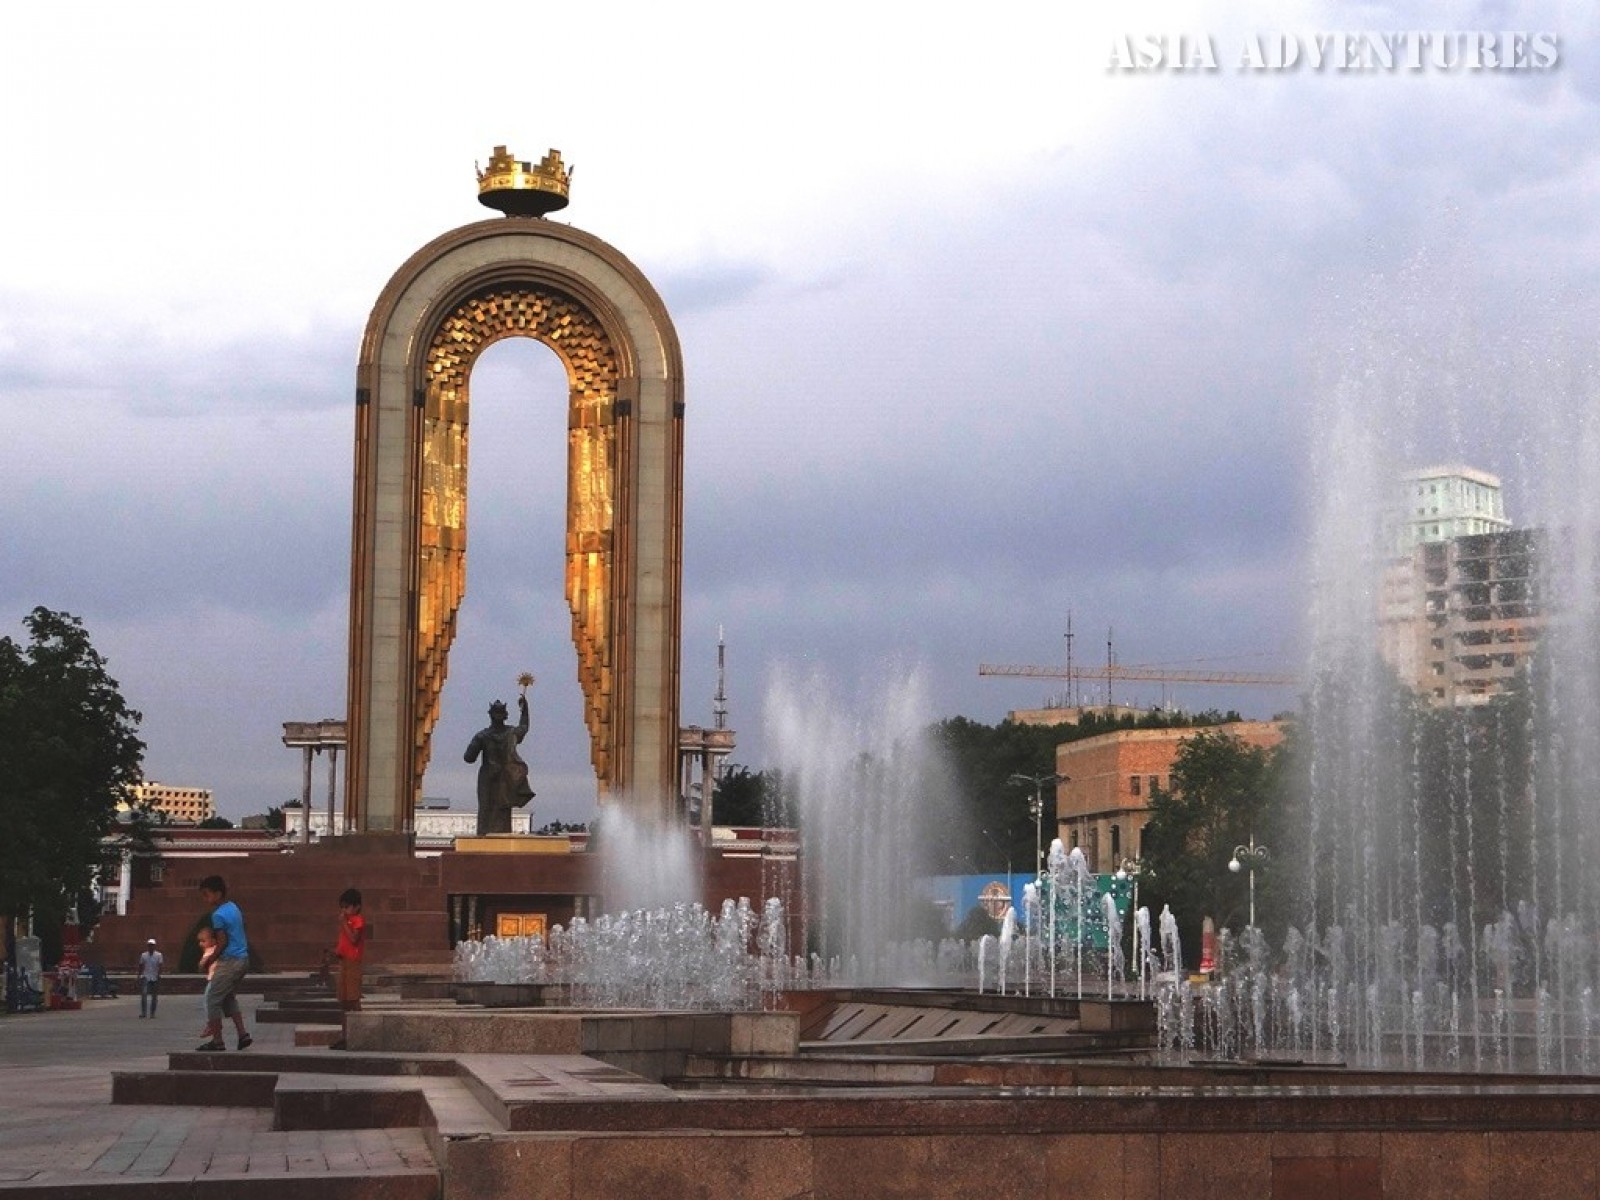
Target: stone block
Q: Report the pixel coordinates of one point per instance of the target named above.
(210, 1088)
(1116, 1016)
(1436, 1166)
(925, 1167)
(708, 1033)
(335, 1107)
(679, 1031)
(669, 1166)
(1546, 1163)
(1325, 1177)
(764, 1033)
(1091, 1161)
(1216, 1166)
(526, 1166)
(612, 1034)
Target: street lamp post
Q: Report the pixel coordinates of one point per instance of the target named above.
(1131, 869)
(1036, 810)
(1248, 858)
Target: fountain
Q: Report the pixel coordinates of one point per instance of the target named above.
(1445, 904)
(868, 793)
(679, 957)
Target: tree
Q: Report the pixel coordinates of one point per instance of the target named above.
(1223, 791)
(976, 924)
(754, 799)
(998, 828)
(215, 823)
(557, 828)
(69, 753)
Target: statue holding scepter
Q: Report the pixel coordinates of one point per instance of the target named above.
(502, 776)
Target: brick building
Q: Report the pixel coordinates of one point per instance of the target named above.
(1104, 805)
(190, 805)
(418, 906)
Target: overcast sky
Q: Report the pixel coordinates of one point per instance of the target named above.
(977, 331)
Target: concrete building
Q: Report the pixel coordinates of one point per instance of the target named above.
(1104, 805)
(436, 825)
(1458, 618)
(1438, 504)
(1460, 606)
(184, 804)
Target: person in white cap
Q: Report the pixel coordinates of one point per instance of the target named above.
(150, 963)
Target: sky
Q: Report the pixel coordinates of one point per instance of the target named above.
(979, 328)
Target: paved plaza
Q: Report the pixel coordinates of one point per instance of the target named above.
(60, 1133)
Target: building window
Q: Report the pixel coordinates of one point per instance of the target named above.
(1133, 785)
(1116, 844)
(1155, 782)
(158, 870)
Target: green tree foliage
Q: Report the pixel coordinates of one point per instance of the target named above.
(754, 799)
(69, 752)
(1222, 791)
(215, 823)
(976, 924)
(994, 828)
(557, 828)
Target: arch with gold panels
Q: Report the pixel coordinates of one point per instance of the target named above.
(516, 277)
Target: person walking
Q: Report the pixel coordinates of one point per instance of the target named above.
(233, 959)
(150, 964)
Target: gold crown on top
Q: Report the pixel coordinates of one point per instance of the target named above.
(520, 189)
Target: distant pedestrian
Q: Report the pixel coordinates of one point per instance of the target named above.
(150, 964)
(350, 951)
(233, 959)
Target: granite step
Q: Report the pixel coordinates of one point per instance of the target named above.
(303, 1183)
(214, 1089)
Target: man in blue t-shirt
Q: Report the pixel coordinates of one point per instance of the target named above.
(233, 958)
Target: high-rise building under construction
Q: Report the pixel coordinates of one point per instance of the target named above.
(1460, 607)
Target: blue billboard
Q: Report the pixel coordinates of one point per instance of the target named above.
(957, 895)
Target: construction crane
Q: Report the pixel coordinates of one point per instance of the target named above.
(1115, 673)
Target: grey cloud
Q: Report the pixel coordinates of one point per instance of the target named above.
(1099, 395)
(710, 286)
(168, 367)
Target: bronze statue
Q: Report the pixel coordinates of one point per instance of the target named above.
(503, 776)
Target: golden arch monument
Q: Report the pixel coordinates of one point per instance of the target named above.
(517, 276)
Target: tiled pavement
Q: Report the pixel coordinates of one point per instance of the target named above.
(58, 1127)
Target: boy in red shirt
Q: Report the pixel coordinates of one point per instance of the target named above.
(352, 944)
